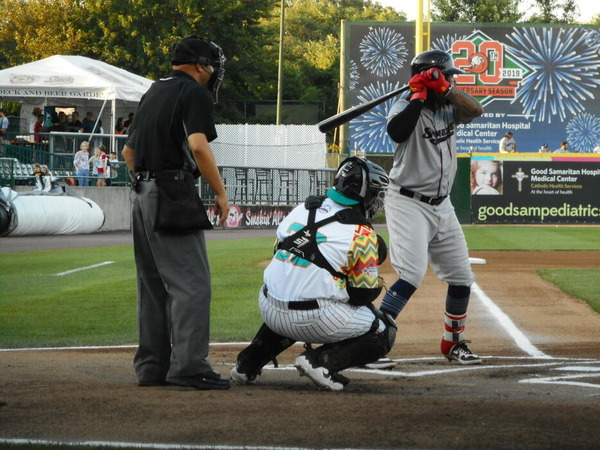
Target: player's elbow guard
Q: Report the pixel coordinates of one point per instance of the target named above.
(363, 296)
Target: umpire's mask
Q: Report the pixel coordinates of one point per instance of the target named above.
(194, 50)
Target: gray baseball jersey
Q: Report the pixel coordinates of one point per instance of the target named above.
(426, 162)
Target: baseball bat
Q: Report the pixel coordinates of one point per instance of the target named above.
(346, 116)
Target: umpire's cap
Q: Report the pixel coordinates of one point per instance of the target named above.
(434, 58)
(194, 50)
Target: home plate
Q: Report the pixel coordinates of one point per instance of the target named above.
(477, 260)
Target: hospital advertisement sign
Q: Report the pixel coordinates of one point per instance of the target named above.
(561, 191)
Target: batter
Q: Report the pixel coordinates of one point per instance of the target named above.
(420, 217)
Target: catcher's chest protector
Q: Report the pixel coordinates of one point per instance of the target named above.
(303, 243)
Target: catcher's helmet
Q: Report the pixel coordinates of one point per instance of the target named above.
(434, 58)
(360, 182)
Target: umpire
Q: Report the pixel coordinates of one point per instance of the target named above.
(169, 141)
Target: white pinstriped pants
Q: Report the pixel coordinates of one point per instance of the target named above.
(333, 321)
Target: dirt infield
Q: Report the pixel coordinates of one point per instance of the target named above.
(539, 386)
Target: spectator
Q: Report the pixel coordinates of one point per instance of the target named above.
(507, 143)
(63, 124)
(111, 168)
(34, 118)
(119, 127)
(42, 177)
(596, 149)
(38, 128)
(4, 123)
(564, 147)
(543, 148)
(128, 122)
(82, 164)
(100, 164)
(75, 125)
(89, 123)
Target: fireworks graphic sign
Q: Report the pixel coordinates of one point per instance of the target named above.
(541, 82)
(491, 71)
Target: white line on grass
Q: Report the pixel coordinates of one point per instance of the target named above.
(508, 325)
(83, 268)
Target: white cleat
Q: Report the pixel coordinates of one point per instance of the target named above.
(319, 375)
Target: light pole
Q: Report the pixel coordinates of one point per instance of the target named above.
(280, 69)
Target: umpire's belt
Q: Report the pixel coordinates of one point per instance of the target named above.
(303, 305)
(146, 175)
(423, 198)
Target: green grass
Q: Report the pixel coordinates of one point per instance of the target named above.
(498, 237)
(581, 283)
(98, 306)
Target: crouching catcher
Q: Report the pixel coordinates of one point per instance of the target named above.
(322, 280)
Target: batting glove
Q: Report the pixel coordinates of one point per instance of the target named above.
(417, 87)
(435, 80)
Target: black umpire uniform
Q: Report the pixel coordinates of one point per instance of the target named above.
(170, 132)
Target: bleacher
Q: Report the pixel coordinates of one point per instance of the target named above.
(13, 172)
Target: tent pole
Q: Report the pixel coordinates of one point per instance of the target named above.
(97, 119)
(113, 139)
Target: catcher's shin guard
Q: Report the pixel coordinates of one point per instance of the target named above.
(357, 351)
(454, 327)
(265, 347)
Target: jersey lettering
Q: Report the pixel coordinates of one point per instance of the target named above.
(436, 136)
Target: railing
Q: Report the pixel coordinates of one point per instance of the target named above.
(270, 186)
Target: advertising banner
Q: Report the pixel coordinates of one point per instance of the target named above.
(241, 216)
(559, 190)
(540, 82)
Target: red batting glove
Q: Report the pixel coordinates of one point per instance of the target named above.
(435, 80)
(417, 87)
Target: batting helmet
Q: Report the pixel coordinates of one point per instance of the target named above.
(434, 58)
(360, 182)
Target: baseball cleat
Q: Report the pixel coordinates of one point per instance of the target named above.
(241, 378)
(319, 375)
(462, 354)
(381, 364)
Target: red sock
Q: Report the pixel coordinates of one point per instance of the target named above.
(454, 327)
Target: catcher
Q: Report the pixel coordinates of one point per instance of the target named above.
(322, 280)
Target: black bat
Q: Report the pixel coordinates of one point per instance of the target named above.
(346, 116)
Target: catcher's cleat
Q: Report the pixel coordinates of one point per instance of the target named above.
(462, 354)
(240, 377)
(339, 378)
(381, 364)
(319, 375)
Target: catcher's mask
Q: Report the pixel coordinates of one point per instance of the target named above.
(360, 182)
(194, 50)
(434, 58)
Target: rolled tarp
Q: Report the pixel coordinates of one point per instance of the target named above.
(35, 213)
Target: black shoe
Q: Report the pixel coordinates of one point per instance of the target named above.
(204, 381)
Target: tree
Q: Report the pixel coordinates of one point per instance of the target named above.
(35, 29)
(476, 11)
(554, 11)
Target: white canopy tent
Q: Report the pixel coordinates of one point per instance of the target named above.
(73, 80)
